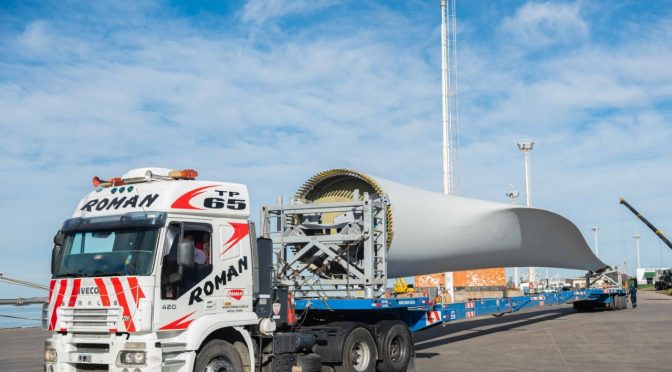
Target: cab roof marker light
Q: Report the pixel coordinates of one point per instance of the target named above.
(185, 174)
(97, 182)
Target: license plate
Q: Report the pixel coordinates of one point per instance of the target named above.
(84, 358)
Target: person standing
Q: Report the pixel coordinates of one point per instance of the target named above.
(633, 293)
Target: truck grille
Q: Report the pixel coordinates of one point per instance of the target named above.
(92, 367)
(98, 319)
(92, 348)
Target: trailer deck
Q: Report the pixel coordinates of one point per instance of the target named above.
(421, 313)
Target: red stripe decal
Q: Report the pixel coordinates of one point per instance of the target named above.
(74, 293)
(119, 291)
(183, 202)
(104, 298)
(136, 291)
(178, 324)
(240, 230)
(57, 303)
(52, 283)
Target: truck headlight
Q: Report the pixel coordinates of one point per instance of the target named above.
(50, 355)
(133, 357)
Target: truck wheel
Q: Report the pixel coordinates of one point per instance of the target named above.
(359, 352)
(397, 347)
(218, 356)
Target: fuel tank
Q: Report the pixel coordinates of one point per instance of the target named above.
(430, 232)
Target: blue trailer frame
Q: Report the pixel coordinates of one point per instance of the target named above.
(420, 313)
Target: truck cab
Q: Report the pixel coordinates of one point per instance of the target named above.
(150, 267)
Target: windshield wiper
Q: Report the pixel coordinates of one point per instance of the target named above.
(78, 274)
(111, 274)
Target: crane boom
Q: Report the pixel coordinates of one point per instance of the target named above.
(647, 223)
(24, 283)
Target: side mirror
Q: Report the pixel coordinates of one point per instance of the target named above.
(59, 238)
(55, 252)
(185, 254)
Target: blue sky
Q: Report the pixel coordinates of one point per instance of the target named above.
(269, 92)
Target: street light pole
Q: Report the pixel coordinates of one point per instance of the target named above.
(513, 195)
(526, 146)
(637, 237)
(597, 246)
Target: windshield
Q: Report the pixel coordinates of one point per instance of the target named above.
(116, 252)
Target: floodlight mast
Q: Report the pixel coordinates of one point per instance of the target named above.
(449, 104)
(445, 100)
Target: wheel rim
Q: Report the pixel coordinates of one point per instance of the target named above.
(219, 365)
(396, 349)
(360, 356)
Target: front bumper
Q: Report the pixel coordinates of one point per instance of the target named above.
(102, 352)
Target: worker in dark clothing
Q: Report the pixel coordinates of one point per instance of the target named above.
(633, 293)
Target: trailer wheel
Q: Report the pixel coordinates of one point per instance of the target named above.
(581, 306)
(218, 356)
(359, 352)
(397, 348)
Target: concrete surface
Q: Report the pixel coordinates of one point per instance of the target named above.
(552, 339)
(22, 349)
(555, 339)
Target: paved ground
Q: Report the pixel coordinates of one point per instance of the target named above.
(554, 339)
(22, 349)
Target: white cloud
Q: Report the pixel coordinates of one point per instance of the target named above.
(542, 24)
(259, 11)
(35, 37)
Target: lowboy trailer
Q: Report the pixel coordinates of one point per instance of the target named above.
(420, 313)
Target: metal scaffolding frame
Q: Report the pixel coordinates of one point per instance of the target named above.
(330, 249)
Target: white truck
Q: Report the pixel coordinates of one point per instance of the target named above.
(159, 271)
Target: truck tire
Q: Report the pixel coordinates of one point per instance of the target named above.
(218, 356)
(396, 347)
(359, 352)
